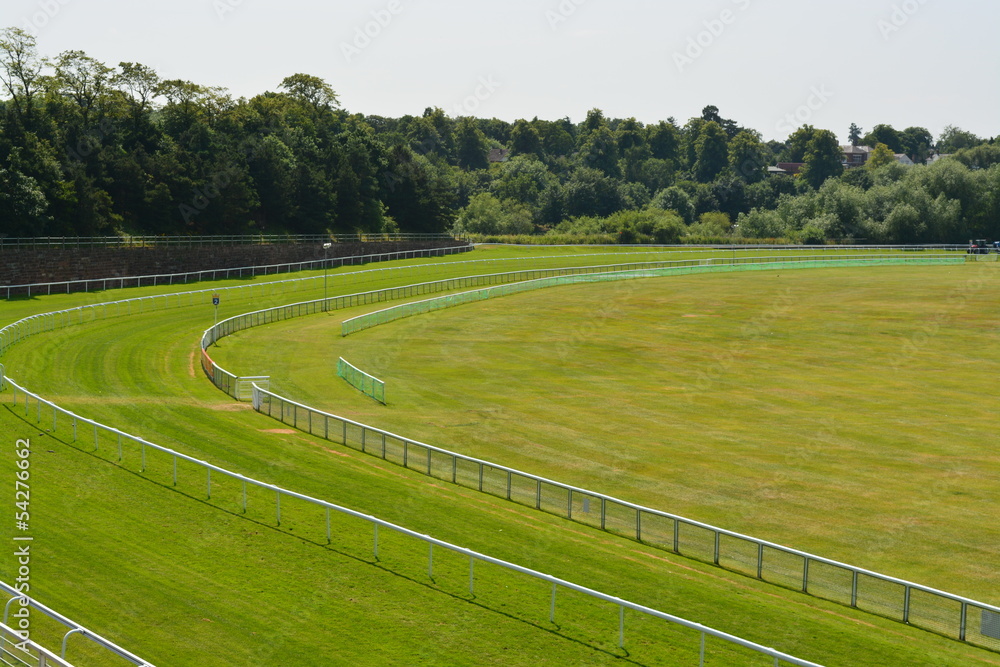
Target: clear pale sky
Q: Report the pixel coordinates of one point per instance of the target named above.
(768, 64)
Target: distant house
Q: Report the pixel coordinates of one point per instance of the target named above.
(499, 155)
(855, 156)
(937, 156)
(790, 168)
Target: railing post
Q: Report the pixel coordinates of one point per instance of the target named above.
(964, 619)
(552, 608)
(854, 589)
(906, 605)
(277, 505)
(805, 575)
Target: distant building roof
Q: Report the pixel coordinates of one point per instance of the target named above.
(937, 156)
(855, 150)
(499, 155)
(791, 167)
(903, 158)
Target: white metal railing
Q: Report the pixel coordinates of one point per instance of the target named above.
(18, 652)
(122, 438)
(41, 656)
(894, 598)
(35, 324)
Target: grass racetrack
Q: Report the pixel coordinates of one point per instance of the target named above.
(790, 436)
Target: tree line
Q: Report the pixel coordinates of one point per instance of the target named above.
(90, 149)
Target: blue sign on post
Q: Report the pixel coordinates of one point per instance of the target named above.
(215, 300)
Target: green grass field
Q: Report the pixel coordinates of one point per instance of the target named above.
(189, 581)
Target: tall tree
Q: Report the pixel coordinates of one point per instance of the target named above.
(20, 69)
(664, 141)
(310, 90)
(471, 147)
(823, 158)
(82, 79)
(600, 151)
(713, 152)
(854, 134)
(525, 139)
(748, 156)
(917, 143)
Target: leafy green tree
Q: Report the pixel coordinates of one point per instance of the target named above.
(600, 151)
(798, 144)
(664, 141)
(884, 134)
(20, 70)
(594, 121)
(630, 134)
(471, 145)
(82, 79)
(823, 158)
(712, 150)
(854, 134)
(522, 179)
(675, 199)
(486, 214)
(917, 143)
(590, 192)
(954, 139)
(310, 90)
(748, 156)
(525, 140)
(880, 157)
(22, 204)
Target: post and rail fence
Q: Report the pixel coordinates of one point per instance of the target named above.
(39, 656)
(977, 623)
(950, 615)
(84, 427)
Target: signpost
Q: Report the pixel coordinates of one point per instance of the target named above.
(215, 302)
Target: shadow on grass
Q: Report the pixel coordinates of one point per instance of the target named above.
(553, 629)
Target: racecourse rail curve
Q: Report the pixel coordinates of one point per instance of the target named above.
(944, 613)
(36, 324)
(13, 642)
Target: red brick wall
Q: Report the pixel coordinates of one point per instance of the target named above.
(49, 264)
